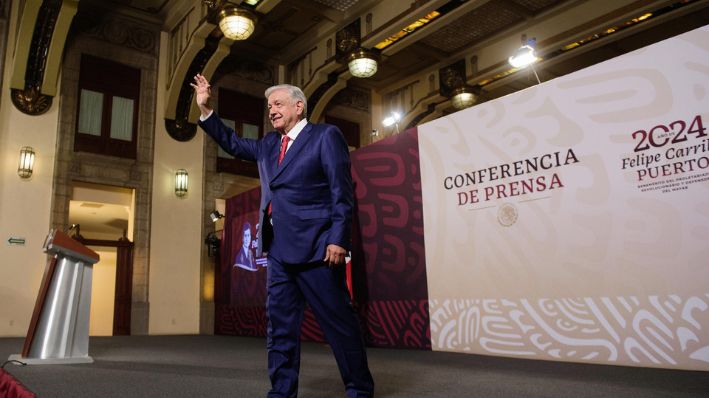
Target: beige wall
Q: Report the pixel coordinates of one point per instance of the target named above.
(176, 223)
(135, 174)
(176, 227)
(24, 204)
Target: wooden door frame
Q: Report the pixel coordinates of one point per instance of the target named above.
(124, 282)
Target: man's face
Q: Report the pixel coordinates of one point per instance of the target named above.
(247, 237)
(283, 111)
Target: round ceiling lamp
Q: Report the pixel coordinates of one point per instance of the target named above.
(236, 23)
(462, 98)
(362, 63)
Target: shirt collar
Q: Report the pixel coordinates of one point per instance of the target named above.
(293, 133)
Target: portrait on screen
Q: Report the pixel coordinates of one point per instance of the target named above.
(245, 256)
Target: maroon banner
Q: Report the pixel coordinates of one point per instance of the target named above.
(240, 296)
(389, 261)
(11, 388)
(388, 272)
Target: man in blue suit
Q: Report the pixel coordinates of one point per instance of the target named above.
(306, 217)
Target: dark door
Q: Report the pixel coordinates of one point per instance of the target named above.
(124, 282)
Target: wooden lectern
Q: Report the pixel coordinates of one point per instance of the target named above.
(59, 329)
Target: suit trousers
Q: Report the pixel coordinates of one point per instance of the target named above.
(290, 286)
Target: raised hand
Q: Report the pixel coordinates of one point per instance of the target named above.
(202, 91)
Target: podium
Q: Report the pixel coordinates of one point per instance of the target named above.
(59, 329)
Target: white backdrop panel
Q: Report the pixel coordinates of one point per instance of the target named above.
(570, 221)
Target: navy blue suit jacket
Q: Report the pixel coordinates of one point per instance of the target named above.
(311, 191)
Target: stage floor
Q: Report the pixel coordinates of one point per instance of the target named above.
(221, 366)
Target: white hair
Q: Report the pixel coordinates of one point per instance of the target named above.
(294, 92)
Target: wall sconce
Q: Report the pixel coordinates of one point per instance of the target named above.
(26, 164)
(362, 63)
(236, 23)
(181, 182)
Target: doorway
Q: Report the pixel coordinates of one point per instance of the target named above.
(102, 219)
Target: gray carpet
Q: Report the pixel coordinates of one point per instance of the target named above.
(221, 366)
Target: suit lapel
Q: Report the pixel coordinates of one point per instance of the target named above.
(292, 153)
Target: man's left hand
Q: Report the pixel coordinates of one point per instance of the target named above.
(335, 255)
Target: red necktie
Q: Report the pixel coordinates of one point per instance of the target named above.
(281, 155)
(284, 146)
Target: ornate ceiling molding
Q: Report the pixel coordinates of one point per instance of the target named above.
(355, 98)
(203, 54)
(124, 33)
(39, 47)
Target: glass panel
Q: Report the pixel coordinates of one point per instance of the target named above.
(122, 119)
(222, 153)
(250, 131)
(90, 111)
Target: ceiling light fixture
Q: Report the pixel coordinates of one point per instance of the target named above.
(463, 97)
(454, 85)
(362, 63)
(236, 23)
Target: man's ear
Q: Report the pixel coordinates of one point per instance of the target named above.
(300, 107)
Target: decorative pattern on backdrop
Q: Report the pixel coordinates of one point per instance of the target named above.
(657, 330)
(389, 271)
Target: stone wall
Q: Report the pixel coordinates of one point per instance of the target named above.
(135, 44)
